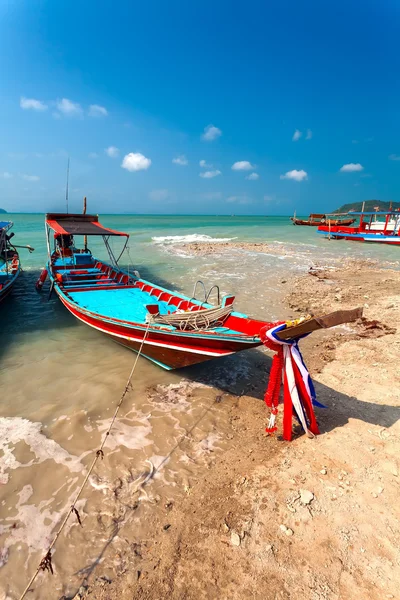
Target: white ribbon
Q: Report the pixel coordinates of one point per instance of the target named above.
(290, 350)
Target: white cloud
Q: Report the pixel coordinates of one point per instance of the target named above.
(205, 165)
(112, 151)
(296, 136)
(211, 133)
(210, 174)
(134, 161)
(351, 168)
(181, 160)
(295, 175)
(32, 104)
(93, 155)
(158, 195)
(31, 177)
(68, 108)
(97, 111)
(309, 134)
(239, 199)
(6, 175)
(252, 176)
(394, 157)
(243, 165)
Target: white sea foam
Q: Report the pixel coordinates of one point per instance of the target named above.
(193, 237)
(134, 437)
(13, 430)
(35, 523)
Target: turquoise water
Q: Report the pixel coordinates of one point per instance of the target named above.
(29, 228)
(60, 381)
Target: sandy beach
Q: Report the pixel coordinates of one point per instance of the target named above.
(264, 518)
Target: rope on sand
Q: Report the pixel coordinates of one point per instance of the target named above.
(46, 564)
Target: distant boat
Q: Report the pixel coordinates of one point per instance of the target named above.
(9, 260)
(315, 220)
(168, 328)
(382, 227)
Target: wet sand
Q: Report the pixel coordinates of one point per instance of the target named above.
(211, 521)
(313, 519)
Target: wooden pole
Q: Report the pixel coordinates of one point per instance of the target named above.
(84, 212)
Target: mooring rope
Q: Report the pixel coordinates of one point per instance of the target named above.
(45, 563)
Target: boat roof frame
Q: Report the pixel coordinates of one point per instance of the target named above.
(54, 222)
(79, 224)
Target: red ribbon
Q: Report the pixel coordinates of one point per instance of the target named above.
(272, 394)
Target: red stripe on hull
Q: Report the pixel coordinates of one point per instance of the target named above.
(172, 351)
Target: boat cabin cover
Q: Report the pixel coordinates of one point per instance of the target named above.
(77, 224)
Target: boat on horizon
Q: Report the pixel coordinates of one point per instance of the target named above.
(166, 327)
(317, 219)
(369, 229)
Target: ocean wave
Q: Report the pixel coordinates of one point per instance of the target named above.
(192, 237)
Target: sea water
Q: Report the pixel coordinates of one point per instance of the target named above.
(60, 381)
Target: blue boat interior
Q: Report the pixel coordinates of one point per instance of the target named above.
(110, 292)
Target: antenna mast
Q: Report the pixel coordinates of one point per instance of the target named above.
(66, 190)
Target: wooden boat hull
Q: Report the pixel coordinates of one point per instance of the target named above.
(333, 222)
(167, 327)
(170, 350)
(6, 288)
(354, 235)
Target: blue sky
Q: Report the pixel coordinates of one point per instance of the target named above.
(290, 105)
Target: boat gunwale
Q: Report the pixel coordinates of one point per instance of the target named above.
(240, 337)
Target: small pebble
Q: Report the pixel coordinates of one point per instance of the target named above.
(289, 532)
(235, 539)
(306, 497)
(283, 528)
(323, 471)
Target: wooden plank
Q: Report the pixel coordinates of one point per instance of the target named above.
(330, 320)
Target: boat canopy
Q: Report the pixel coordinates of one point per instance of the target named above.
(379, 212)
(5, 224)
(77, 224)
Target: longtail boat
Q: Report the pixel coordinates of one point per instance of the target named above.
(316, 219)
(169, 328)
(379, 227)
(9, 260)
